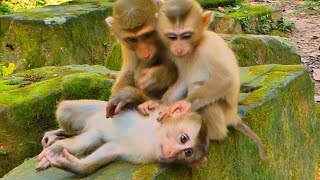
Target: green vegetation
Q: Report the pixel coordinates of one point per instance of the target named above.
(9, 6)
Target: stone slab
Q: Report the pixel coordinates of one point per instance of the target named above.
(277, 102)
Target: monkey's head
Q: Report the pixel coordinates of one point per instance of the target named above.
(181, 25)
(133, 23)
(183, 139)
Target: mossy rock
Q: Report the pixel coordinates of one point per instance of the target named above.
(28, 100)
(70, 33)
(248, 19)
(215, 3)
(262, 49)
(276, 102)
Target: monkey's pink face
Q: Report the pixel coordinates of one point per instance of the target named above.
(177, 140)
(143, 41)
(179, 42)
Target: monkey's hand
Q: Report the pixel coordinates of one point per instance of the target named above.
(49, 138)
(127, 95)
(67, 162)
(115, 105)
(148, 81)
(43, 161)
(145, 107)
(176, 109)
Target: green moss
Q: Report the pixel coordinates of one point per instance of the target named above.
(249, 11)
(215, 3)
(57, 35)
(86, 86)
(146, 172)
(114, 60)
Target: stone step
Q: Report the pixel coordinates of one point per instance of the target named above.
(70, 33)
(28, 99)
(276, 102)
(249, 19)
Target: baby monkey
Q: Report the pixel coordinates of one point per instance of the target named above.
(208, 73)
(179, 138)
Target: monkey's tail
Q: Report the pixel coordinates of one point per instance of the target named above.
(242, 127)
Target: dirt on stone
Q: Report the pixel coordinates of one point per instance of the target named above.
(306, 33)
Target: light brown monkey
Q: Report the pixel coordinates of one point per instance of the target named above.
(146, 72)
(208, 73)
(180, 138)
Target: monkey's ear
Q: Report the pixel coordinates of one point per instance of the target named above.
(109, 21)
(198, 163)
(206, 18)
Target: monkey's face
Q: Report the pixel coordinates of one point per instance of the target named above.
(177, 139)
(180, 35)
(142, 41)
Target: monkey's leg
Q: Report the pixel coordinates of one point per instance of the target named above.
(242, 127)
(214, 117)
(102, 156)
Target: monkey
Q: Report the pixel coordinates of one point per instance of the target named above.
(179, 138)
(208, 73)
(146, 72)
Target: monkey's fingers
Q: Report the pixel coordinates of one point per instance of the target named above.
(143, 109)
(145, 71)
(110, 110)
(119, 107)
(162, 114)
(43, 164)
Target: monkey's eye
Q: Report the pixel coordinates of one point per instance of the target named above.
(186, 35)
(172, 37)
(131, 40)
(188, 152)
(184, 138)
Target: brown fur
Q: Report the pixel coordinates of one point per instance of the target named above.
(208, 70)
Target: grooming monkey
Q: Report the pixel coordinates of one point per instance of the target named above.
(146, 72)
(208, 74)
(178, 138)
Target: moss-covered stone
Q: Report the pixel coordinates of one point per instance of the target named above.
(70, 33)
(262, 49)
(280, 109)
(248, 19)
(27, 105)
(215, 3)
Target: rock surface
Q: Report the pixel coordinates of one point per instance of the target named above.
(28, 100)
(276, 102)
(71, 33)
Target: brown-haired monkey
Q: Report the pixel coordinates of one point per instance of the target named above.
(130, 136)
(208, 73)
(146, 72)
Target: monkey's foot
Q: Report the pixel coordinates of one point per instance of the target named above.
(145, 107)
(49, 138)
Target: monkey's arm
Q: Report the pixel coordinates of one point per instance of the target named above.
(158, 78)
(102, 156)
(210, 91)
(123, 90)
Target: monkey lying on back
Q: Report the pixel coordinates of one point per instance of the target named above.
(129, 136)
(208, 73)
